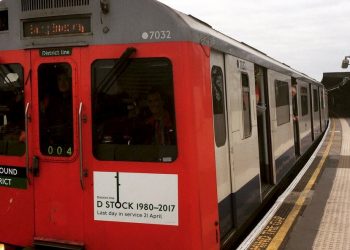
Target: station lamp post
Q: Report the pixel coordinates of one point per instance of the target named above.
(345, 62)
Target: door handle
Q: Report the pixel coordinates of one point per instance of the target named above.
(83, 173)
(26, 127)
(35, 166)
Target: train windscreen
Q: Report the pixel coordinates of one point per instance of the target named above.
(133, 110)
(12, 135)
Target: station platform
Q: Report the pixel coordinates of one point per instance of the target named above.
(314, 212)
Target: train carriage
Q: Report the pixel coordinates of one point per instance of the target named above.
(130, 125)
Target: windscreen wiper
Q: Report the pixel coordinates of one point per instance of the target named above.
(3, 75)
(117, 70)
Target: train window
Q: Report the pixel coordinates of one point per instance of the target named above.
(315, 100)
(218, 94)
(282, 102)
(133, 110)
(12, 136)
(247, 122)
(321, 98)
(304, 101)
(4, 20)
(56, 109)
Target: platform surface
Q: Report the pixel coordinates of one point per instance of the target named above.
(316, 214)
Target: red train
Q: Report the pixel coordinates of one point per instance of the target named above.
(128, 125)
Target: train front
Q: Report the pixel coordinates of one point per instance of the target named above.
(106, 138)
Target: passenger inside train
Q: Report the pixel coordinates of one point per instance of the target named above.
(260, 106)
(160, 127)
(294, 102)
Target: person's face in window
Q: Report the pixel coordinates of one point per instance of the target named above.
(63, 83)
(155, 104)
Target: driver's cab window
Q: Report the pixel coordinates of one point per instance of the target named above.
(12, 135)
(55, 109)
(133, 114)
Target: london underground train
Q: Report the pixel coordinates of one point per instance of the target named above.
(129, 125)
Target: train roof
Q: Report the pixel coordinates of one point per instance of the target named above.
(127, 21)
(203, 33)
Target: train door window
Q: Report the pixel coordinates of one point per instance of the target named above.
(12, 136)
(133, 110)
(4, 20)
(247, 122)
(322, 100)
(282, 102)
(55, 109)
(315, 100)
(304, 101)
(218, 94)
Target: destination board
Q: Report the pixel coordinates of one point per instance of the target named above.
(56, 26)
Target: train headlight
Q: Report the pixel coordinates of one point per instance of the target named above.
(4, 20)
(2, 246)
(104, 6)
(345, 62)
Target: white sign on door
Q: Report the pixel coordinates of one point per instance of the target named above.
(136, 198)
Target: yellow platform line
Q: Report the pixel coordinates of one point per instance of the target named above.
(288, 222)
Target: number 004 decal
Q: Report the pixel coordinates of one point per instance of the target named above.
(59, 150)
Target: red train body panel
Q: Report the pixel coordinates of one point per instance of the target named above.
(54, 206)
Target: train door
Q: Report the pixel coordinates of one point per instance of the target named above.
(264, 132)
(304, 118)
(322, 114)
(312, 113)
(316, 111)
(324, 108)
(243, 137)
(58, 195)
(223, 171)
(295, 110)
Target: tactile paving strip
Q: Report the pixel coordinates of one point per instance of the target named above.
(334, 230)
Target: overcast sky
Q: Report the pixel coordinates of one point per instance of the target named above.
(312, 36)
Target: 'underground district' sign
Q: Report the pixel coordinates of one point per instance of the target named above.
(136, 198)
(13, 177)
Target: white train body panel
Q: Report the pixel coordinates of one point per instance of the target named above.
(223, 172)
(282, 134)
(245, 167)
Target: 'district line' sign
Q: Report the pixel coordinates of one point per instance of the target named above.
(55, 52)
